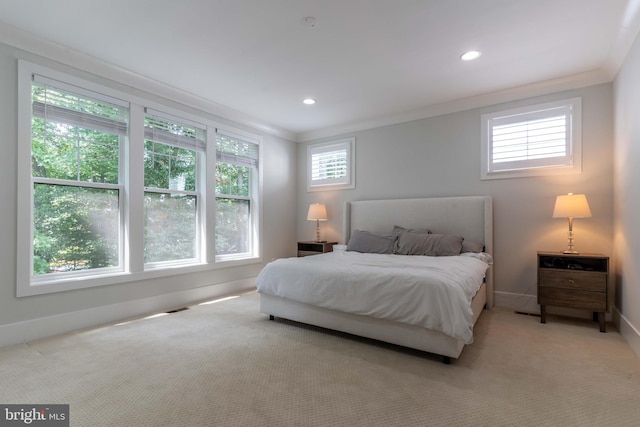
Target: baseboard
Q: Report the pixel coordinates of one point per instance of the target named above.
(518, 302)
(630, 333)
(42, 327)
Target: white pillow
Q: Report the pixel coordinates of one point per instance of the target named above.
(482, 256)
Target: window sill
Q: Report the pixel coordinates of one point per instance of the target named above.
(330, 187)
(62, 284)
(523, 173)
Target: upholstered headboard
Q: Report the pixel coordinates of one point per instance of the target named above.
(470, 216)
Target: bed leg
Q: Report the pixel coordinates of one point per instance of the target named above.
(446, 360)
(271, 317)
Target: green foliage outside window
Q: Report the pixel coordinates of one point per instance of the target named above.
(168, 167)
(66, 152)
(75, 228)
(232, 180)
(170, 228)
(232, 226)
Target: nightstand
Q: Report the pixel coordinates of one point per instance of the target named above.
(577, 281)
(314, 248)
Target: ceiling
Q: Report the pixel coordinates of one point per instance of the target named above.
(366, 62)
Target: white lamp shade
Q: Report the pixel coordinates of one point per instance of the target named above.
(317, 212)
(572, 206)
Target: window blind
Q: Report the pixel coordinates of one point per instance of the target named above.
(329, 164)
(62, 106)
(236, 149)
(531, 140)
(181, 133)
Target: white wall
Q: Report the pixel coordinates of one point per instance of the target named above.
(440, 156)
(20, 317)
(627, 197)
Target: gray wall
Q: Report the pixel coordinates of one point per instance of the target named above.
(627, 197)
(279, 201)
(440, 156)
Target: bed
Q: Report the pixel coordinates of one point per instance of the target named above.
(470, 217)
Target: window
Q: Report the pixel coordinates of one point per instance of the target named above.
(111, 191)
(76, 141)
(172, 147)
(237, 183)
(538, 140)
(330, 165)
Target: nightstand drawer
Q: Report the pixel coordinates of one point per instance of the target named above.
(571, 279)
(594, 301)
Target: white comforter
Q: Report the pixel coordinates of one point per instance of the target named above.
(432, 292)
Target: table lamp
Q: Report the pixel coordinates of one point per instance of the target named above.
(317, 212)
(571, 206)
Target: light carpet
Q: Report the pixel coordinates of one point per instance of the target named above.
(225, 364)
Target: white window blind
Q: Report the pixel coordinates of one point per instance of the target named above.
(179, 132)
(330, 165)
(236, 149)
(531, 141)
(62, 103)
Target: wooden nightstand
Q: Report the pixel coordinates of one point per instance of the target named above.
(314, 248)
(574, 281)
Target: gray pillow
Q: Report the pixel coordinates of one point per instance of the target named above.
(410, 240)
(442, 244)
(365, 242)
(397, 230)
(410, 243)
(470, 246)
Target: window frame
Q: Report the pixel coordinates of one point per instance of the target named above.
(254, 198)
(345, 183)
(37, 280)
(78, 119)
(197, 192)
(539, 167)
(131, 193)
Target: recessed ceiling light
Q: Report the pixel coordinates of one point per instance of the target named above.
(470, 55)
(309, 101)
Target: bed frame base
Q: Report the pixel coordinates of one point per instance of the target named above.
(410, 336)
(445, 359)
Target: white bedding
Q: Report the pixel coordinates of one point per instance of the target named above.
(432, 292)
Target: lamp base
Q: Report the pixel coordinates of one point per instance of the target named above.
(570, 249)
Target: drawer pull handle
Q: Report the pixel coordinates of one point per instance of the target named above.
(571, 281)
